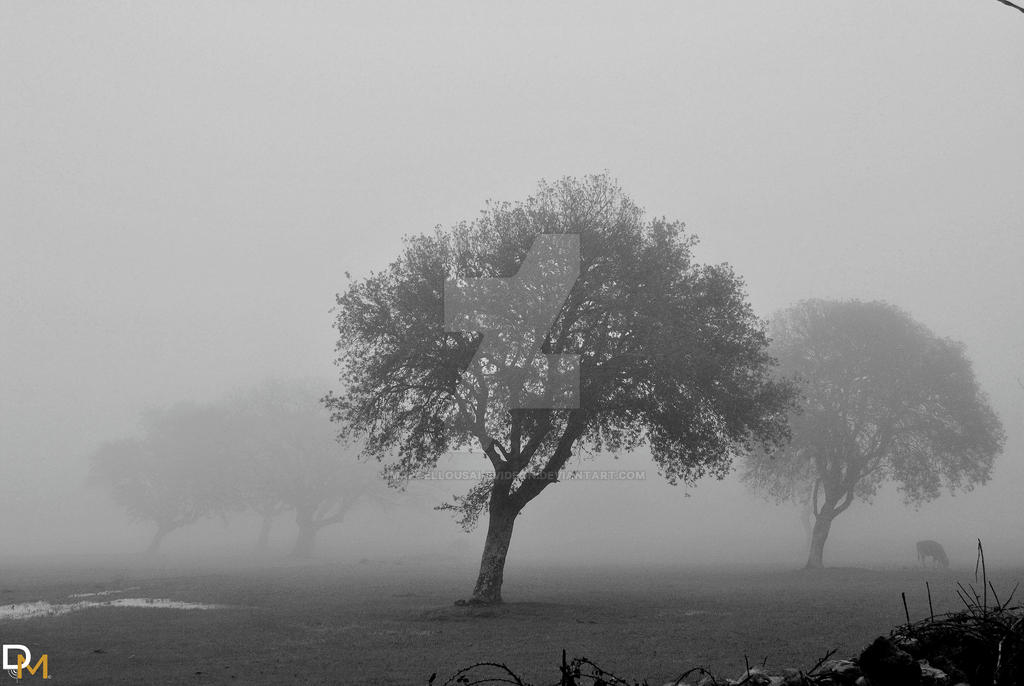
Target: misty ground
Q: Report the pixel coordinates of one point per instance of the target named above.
(393, 622)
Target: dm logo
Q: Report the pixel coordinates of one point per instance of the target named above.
(23, 662)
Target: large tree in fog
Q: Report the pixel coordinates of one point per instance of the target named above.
(669, 353)
(883, 399)
(285, 443)
(175, 473)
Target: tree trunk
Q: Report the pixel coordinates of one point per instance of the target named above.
(822, 525)
(154, 545)
(264, 538)
(492, 564)
(306, 539)
(807, 519)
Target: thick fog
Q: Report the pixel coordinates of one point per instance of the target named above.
(185, 186)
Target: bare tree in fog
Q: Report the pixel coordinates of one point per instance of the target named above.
(670, 353)
(178, 472)
(884, 399)
(286, 445)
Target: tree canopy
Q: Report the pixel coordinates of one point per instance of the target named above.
(285, 444)
(269, 448)
(668, 352)
(883, 400)
(178, 471)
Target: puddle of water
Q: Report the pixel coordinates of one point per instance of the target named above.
(41, 608)
(100, 593)
(161, 603)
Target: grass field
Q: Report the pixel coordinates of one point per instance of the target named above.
(394, 623)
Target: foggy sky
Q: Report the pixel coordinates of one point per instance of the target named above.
(185, 184)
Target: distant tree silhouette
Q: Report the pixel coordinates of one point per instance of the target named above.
(884, 399)
(175, 473)
(271, 449)
(286, 445)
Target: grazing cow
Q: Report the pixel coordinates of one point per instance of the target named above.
(933, 550)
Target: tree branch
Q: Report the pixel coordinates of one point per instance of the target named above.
(515, 441)
(491, 447)
(1010, 4)
(527, 452)
(841, 507)
(533, 484)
